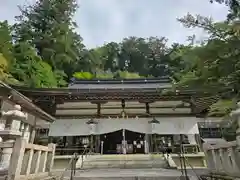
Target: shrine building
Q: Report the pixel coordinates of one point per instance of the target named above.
(122, 116)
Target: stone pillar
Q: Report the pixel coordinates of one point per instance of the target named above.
(10, 133)
(6, 156)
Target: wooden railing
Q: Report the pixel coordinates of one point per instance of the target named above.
(29, 161)
(223, 158)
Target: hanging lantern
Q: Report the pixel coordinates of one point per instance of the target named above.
(92, 126)
(153, 123)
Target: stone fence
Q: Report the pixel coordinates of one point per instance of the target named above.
(223, 158)
(22, 160)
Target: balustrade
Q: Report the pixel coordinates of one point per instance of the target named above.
(30, 160)
(21, 159)
(223, 158)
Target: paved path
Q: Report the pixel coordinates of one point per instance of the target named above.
(97, 174)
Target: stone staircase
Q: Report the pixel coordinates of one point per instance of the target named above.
(129, 161)
(125, 167)
(129, 174)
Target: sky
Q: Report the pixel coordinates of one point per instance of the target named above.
(102, 21)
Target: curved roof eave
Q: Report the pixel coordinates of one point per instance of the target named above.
(27, 104)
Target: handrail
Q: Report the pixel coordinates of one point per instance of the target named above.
(82, 155)
(70, 164)
(199, 177)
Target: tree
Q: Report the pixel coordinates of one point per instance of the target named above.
(48, 26)
(234, 8)
(5, 75)
(6, 44)
(158, 59)
(31, 69)
(217, 60)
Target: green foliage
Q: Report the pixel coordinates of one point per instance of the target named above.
(6, 42)
(216, 61)
(48, 26)
(3, 68)
(43, 76)
(223, 106)
(104, 75)
(83, 75)
(5, 76)
(127, 75)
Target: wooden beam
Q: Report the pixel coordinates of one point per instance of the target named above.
(129, 115)
(118, 107)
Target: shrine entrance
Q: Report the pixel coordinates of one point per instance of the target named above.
(113, 143)
(135, 142)
(110, 142)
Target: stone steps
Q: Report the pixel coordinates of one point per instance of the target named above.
(127, 178)
(128, 174)
(123, 161)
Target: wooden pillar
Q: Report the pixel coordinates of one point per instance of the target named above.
(99, 110)
(91, 143)
(123, 104)
(96, 138)
(147, 108)
(97, 143)
(148, 137)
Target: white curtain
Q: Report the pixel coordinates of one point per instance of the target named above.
(79, 127)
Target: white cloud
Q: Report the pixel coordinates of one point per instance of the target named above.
(111, 20)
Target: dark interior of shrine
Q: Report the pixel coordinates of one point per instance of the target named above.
(112, 142)
(136, 140)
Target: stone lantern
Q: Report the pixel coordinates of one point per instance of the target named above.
(153, 124)
(10, 132)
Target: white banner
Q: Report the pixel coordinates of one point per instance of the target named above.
(79, 127)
